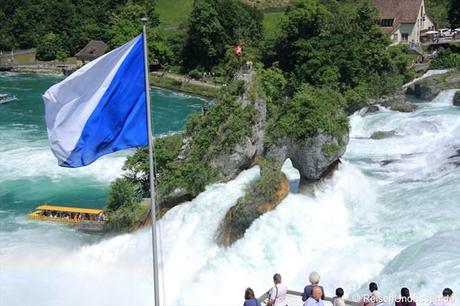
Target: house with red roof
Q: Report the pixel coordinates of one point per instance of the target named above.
(404, 20)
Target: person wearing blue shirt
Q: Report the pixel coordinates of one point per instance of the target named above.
(315, 298)
(250, 299)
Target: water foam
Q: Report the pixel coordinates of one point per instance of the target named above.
(370, 221)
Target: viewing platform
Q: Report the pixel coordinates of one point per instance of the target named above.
(295, 299)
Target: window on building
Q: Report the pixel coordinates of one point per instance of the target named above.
(405, 36)
(386, 22)
(395, 36)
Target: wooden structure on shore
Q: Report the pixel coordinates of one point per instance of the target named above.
(91, 51)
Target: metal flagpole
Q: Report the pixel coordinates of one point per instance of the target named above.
(152, 177)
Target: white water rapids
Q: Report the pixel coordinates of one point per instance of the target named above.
(390, 214)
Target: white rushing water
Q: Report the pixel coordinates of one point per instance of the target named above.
(391, 214)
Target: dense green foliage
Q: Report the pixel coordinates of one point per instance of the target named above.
(60, 28)
(437, 10)
(215, 27)
(338, 45)
(446, 58)
(126, 217)
(224, 125)
(122, 193)
(454, 14)
(311, 110)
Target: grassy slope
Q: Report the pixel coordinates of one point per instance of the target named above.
(173, 12)
(271, 20)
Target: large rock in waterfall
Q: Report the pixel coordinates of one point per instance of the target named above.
(428, 88)
(244, 154)
(312, 157)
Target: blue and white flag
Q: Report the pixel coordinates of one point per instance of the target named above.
(100, 108)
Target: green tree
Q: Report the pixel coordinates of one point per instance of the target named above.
(205, 37)
(214, 27)
(454, 14)
(122, 193)
(48, 47)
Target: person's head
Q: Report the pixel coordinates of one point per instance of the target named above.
(339, 292)
(447, 293)
(314, 278)
(373, 287)
(316, 292)
(277, 278)
(249, 294)
(405, 292)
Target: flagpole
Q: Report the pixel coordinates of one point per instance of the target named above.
(152, 174)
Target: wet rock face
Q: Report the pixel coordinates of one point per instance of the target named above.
(382, 134)
(387, 101)
(240, 217)
(244, 154)
(456, 99)
(313, 157)
(423, 91)
(403, 107)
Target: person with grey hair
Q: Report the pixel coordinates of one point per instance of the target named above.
(316, 297)
(277, 296)
(314, 281)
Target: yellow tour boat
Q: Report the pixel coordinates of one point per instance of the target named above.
(85, 219)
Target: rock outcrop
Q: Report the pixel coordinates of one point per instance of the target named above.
(405, 107)
(313, 157)
(388, 100)
(244, 154)
(427, 89)
(240, 217)
(456, 99)
(382, 134)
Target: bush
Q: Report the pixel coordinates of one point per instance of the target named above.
(195, 74)
(122, 193)
(126, 218)
(446, 59)
(311, 110)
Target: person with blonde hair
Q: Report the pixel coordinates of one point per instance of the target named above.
(314, 281)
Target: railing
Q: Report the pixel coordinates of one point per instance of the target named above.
(299, 294)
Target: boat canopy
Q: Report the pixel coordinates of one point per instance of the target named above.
(70, 209)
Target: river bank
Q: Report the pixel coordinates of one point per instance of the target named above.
(175, 82)
(183, 83)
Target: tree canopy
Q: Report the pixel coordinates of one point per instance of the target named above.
(214, 27)
(63, 27)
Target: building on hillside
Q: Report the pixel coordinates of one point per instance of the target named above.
(91, 51)
(404, 20)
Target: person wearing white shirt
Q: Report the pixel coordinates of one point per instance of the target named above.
(278, 294)
(315, 298)
(338, 299)
(446, 300)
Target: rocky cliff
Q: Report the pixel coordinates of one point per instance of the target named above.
(213, 141)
